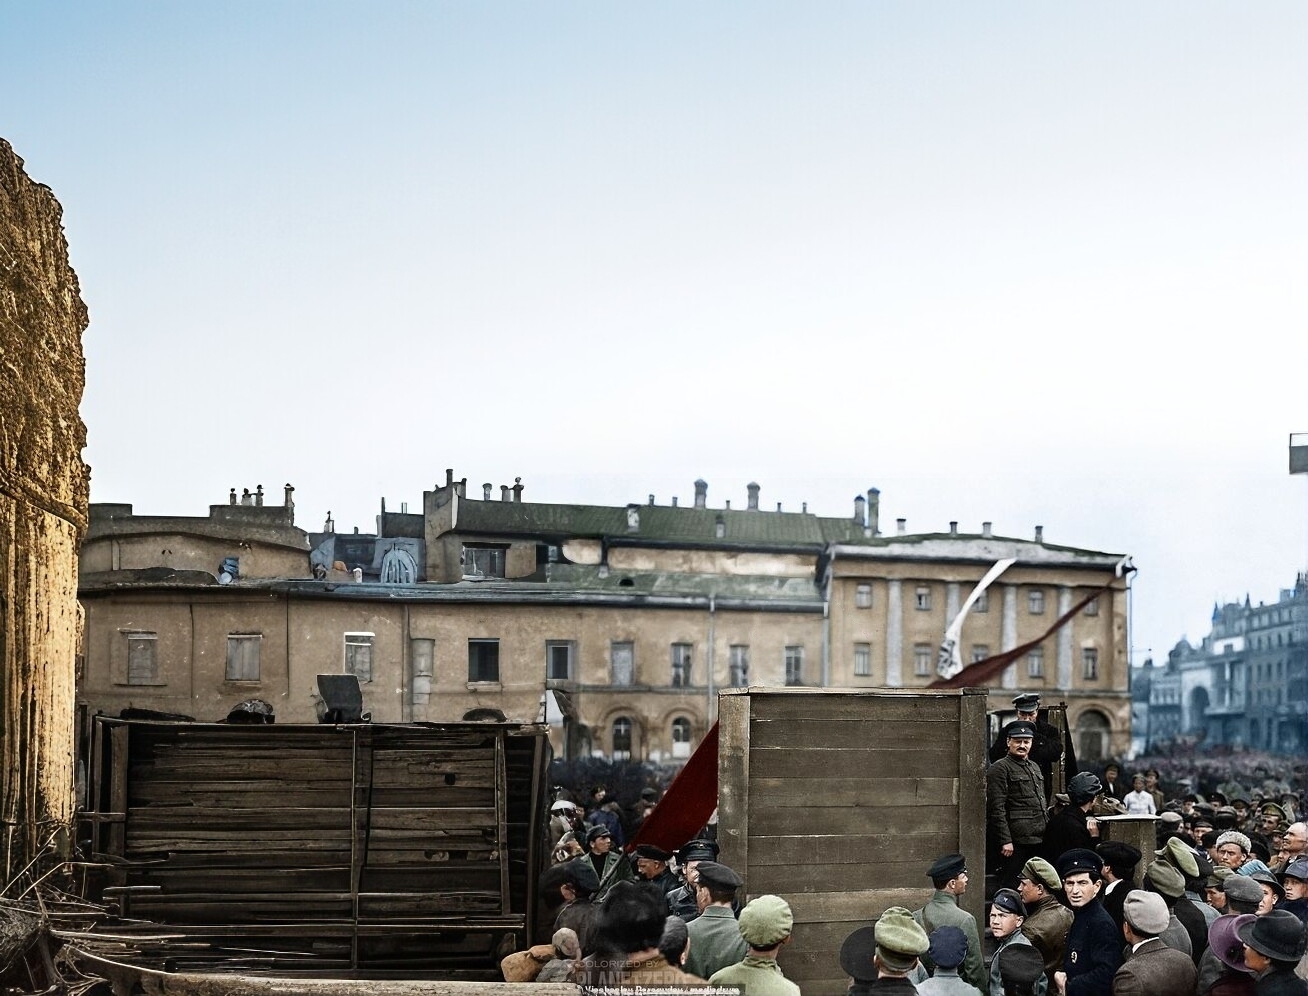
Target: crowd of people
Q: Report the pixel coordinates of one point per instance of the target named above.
(1222, 906)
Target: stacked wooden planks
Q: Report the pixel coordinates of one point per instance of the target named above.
(324, 849)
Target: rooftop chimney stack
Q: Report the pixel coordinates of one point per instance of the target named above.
(449, 477)
(258, 495)
(778, 506)
(803, 508)
(486, 491)
(752, 490)
(1040, 534)
(953, 527)
(504, 492)
(701, 493)
(901, 526)
(874, 510)
(231, 498)
(860, 510)
(517, 489)
(651, 499)
(986, 530)
(674, 501)
(727, 505)
(288, 491)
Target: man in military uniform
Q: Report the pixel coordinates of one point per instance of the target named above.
(1047, 920)
(1015, 805)
(681, 900)
(1048, 745)
(1094, 944)
(765, 924)
(1007, 914)
(880, 958)
(949, 876)
(715, 940)
(652, 866)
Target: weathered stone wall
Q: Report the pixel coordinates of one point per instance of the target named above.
(43, 507)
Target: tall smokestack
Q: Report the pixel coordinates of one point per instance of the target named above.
(752, 490)
(874, 510)
(701, 493)
(860, 510)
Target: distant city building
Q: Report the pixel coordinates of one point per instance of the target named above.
(616, 624)
(1245, 684)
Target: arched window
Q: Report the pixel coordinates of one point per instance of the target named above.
(680, 738)
(1092, 736)
(398, 567)
(622, 739)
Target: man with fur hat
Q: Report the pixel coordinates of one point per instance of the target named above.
(765, 924)
(715, 940)
(1047, 920)
(1094, 944)
(628, 929)
(1234, 850)
(879, 958)
(948, 874)
(1152, 968)
(1007, 913)
(947, 947)
(1073, 826)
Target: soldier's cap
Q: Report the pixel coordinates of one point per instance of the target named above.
(1298, 868)
(1009, 901)
(1243, 889)
(1218, 876)
(1278, 935)
(1026, 702)
(1165, 879)
(1079, 859)
(653, 852)
(1268, 879)
(1020, 964)
(1146, 912)
(856, 953)
(1239, 801)
(1272, 809)
(766, 920)
(900, 939)
(717, 877)
(1223, 939)
(581, 873)
(1180, 857)
(1020, 730)
(1119, 854)
(596, 832)
(1041, 871)
(948, 947)
(1218, 798)
(947, 866)
(1237, 838)
(698, 850)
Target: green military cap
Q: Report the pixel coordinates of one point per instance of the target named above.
(1219, 875)
(1041, 871)
(1166, 879)
(766, 920)
(900, 940)
(1180, 857)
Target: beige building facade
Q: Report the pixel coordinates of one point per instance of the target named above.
(617, 625)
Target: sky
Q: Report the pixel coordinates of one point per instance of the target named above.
(1028, 263)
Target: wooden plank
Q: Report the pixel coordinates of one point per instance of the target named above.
(971, 818)
(814, 794)
(119, 745)
(424, 820)
(841, 732)
(801, 879)
(780, 762)
(733, 780)
(852, 820)
(855, 906)
(501, 828)
(885, 706)
(843, 849)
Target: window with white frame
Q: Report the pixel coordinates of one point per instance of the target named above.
(483, 660)
(739, 661)
(863, 596)
(1090, 663)
(862, 660)
(922, 598)
(358, 655)
(142, 658)
(622, 739)
(794, 665)
(1035, 602)
(924, 656)
(622, 661)
(1035, 663)
(243, 656)
(680, 738)
(681, 654)
(558, 659)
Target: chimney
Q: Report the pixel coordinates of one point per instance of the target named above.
(727, 505)
(288, 491)
(778, 506)
(461, 488)
(701, 493)
(517, 489)
(953, 527)
(231, 498)
(258, 495)
(860, 509)
(504, 492)
(901, 526)
(674, 501)
(449, 477)
(803, 507)
(486, 491)
(752, 490)
(329, 526)
(873, 510)
(404, 508)
(985, 529)
(246, 497)
(651, 500)
(1040, 534)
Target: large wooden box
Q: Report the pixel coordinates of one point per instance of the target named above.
(838, 801)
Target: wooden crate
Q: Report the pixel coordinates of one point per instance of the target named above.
(838, 801)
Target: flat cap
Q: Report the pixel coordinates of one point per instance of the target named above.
(766, 920)
(596, 832)
(1235, 837)
(1179, 856)
(1171, 817)
(947, 866)
(1020, 730)
(900, 939)
(948, 947)
(1119, 854)
(1041, 871)
(580, 872)
(653, 852)
(1243, 889)
(698, 850)
(1146, 912)
(1009, 901)
(1079, 860)
(1021, 964)
(1166, 879)
(1298, 868)
(715, 876)
(1026, 701)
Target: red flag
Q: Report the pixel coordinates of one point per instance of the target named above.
(688, 802)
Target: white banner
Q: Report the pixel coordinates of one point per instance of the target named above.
(950, 662)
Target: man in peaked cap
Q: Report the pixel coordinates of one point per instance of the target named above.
(681, 900)
(1047, 920)
(652, 866)
(947, 947)
(1188, 907)
(765, 924)
(1020, 970)
(1294, 880)
(1048, 746)
(1166, 882)
(1015, 804)
(948, 874)
(610, 866)
(879, 958)
(1153, 969)
(715, 940)
(1094, 944)
(1007, 913)
(578, 884)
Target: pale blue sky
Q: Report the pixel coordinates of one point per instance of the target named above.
(1025, 262)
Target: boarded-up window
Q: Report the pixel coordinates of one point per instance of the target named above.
(483, 660)
(142, 659)
(243, 651)
(358, 655)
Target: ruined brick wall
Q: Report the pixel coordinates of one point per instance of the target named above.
(43, 506)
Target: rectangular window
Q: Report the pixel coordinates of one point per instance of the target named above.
(484, 660)
(794, 665)
(622, 661)
(863, 596)
(142, 659)
(358, 655)
(739, 676)
(558, 659)
(1035, 663)
(681, 665)
(923, 598)
(923, 656)
(980, 651)
(982, 603)
(243, 656)
(1035, 602)
(484, 561)
(862, 660)
(1092, 607)
(1090, 663)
